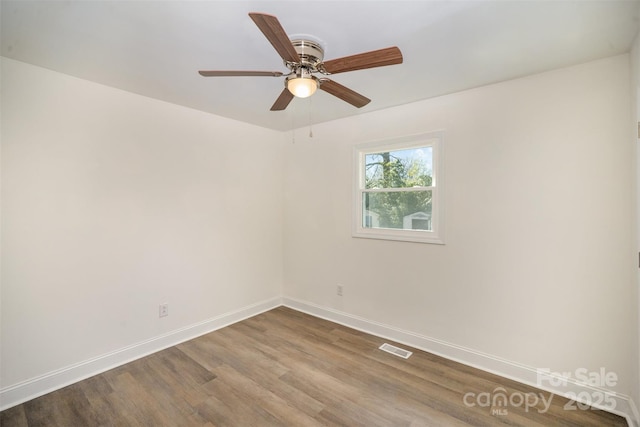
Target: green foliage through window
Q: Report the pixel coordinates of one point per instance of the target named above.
(399, 169)
(398, 189)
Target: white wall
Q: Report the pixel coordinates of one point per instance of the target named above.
(635, 93)
(112, 204)
(536, 266)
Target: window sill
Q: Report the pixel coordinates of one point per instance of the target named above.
(399, 235)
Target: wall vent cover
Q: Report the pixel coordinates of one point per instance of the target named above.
(397, 351)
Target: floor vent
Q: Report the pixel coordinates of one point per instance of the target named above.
(395, 350)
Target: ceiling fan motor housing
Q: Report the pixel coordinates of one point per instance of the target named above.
(311, 53)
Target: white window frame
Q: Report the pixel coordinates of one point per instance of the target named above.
(436, 234)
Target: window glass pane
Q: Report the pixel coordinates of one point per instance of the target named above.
(399, 169)
(404, 210)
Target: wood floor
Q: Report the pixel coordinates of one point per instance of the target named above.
(285, 368)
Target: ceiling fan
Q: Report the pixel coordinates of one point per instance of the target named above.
(304, 58)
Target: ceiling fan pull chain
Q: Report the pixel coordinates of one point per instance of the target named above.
(310, 121)
(293, 129)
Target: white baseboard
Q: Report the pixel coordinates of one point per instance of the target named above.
(18, 393)
(622, 405)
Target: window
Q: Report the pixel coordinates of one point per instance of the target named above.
(398, 189)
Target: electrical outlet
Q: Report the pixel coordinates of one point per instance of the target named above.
(164, 310)
(339, 290)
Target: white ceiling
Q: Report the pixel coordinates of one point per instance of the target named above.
(155, 48)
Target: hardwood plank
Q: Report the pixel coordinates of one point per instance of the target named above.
(14, 417)
(266, 368)
(286, 368)
(264, 398)
(229, 407)
(202, 351)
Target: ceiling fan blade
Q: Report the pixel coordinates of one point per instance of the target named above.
(361, 61)
(215, 73)
(283, 100)
(273, 31)
(344, 93)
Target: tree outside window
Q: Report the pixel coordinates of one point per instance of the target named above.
(396, 190)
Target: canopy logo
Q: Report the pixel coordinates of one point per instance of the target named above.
(499, 401)
(594, 396)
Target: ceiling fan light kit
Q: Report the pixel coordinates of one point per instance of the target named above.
(304, 58)
(301, 85)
